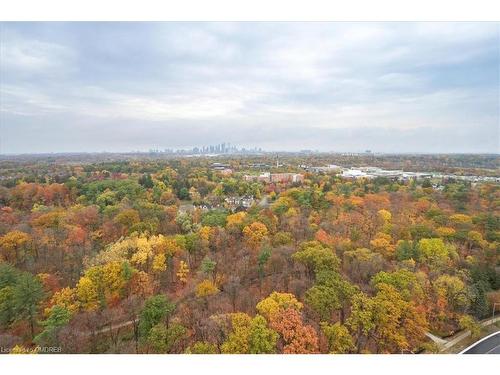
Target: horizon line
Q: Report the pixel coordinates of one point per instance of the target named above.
(180, 152)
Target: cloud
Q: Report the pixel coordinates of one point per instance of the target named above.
(31, 58)
(269, 84)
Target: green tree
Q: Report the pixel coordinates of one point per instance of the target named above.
(183, 193)
(27, 295)
(162, 339)
(261, 340)
(156, 310)
(405, 250)
(7, 307)
(339, 339)
(262, 259)
(405, 282)
(316, 256)
(146, 181)
(331, 293)
(8, 279)
(469, 323)
(59, 316)
(208, 266)
(202, 347)
(216, 218)
(249, 336)
(434, 251)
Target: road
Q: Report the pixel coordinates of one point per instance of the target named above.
(488, 345)
(448, 344)
(116, 326)
(264, 202)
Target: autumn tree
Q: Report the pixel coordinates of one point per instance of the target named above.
(278, 301)
(453, 290)
(163, 339)
(296, 338)
(236, 220)
(182, 272)
(104, 284)
(255, 234)
(127, 219)
(339, 339)
(434, 251)
(315, 257)
(249, 336)
(283, 312)
(202, 347)
(469, 323)
(382, 244)
(331, 293)
(206, 288)
(361, 264)
(14, 246)
(406, 283)
(386, 321)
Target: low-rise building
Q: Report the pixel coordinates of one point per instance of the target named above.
(276, 177)
(226, 171)
(239, 202)
(353, 173)
(326, 169)
(219, 166)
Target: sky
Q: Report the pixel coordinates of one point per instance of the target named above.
(345, 87)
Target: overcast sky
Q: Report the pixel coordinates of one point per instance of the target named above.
(391, 87)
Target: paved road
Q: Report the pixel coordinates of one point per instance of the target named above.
(489, 345)
(448, 344)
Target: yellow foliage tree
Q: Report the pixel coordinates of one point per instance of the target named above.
(255, 234)
(382, 244)
(461, 219)
(183, 271)
(114, 278)
(206, 288)
(144, 252)
(13, 246)
(276, 302)
(385, 215)
(87, 294)
(446, 232)
(159, 263)
(237, 342)
(205, 233)
(168, 246)
(67, 298)
(236, 219)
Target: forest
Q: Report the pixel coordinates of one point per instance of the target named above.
(152, 255)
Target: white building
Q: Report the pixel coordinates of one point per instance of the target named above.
(353, 173)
